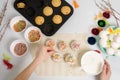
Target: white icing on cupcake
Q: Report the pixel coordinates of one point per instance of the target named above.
(49, 42)
(62, 45)
(74, 45)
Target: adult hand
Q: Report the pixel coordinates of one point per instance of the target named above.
(106, 73)
(44, 53)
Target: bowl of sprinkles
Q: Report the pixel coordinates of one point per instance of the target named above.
(19, 48)
(18, 24)
(32, 34)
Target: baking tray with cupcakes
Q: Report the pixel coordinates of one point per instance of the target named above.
(47, 15)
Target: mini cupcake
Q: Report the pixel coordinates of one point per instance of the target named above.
(74, 45)
(56, 57)
(21, 5)
(48, 11)
(69, 59)
(62, 45)
(49, 42)
(57, 19)
(56, 3)
(39, 20)
(65, 10)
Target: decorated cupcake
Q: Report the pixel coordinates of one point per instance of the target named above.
(74, 45)
(62, 45)
(50, 43)
(56, 57)
(69, 59)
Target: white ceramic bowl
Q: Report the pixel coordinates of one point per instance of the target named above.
(12, 46)
(15, 20)
(92, 63)
(27, 32)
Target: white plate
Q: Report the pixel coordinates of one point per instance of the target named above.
(92, 63)
(12, 46)
(15, 20)
(27, 32)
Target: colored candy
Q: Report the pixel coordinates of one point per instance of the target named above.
(75, 4)
(106, 14)
(91, 40)
(6, 60)
(9, 65)
(6, 57)
(101, 23)
(95, 31)
(110, 30)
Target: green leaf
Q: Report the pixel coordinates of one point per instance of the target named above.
(6, 57)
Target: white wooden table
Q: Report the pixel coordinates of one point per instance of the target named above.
(80, 22)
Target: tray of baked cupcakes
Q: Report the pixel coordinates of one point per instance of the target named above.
(47, 15)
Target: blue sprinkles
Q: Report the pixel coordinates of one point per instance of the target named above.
(91, 40)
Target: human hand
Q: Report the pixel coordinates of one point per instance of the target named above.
(106, 73)
(44, 53)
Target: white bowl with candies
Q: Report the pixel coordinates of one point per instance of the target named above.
(19, 48)
(109, 41)
(18, 24)
(32, 35)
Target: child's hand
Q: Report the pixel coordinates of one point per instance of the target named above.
(44, 53)
(106, 73)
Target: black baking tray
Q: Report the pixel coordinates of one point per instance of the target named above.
(34, 8)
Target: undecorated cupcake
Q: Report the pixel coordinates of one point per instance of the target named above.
(56, 3)
(62, 45)
(56, 57)
(65, 10)
(39, 20)
(57, 19)
(47, 11)
(69, 59)
(21, 5)
(74, 45)
(49, 42)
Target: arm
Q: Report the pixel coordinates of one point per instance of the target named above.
(106, 73)
(43, 54)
